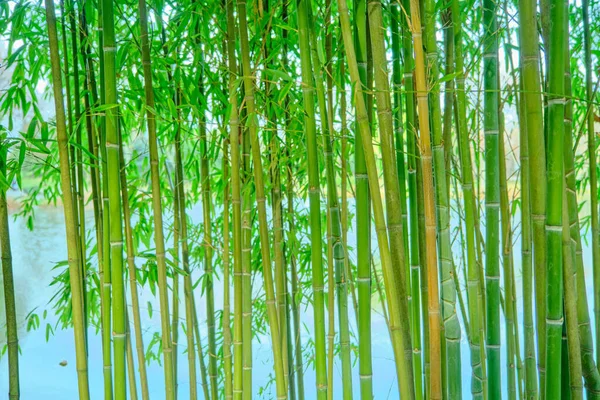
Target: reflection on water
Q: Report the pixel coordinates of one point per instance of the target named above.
(42, 376)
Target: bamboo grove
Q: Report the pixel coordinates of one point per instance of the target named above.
(279, 175)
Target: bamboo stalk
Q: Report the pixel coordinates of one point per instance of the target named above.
(206, 216)
(363, 213)
(592, 157)
(492, 196)
(190, 309)
(234, 135)
(12, 339)
(135, 303)
(260, 199)
(476, 336)
(555, 187)
(451, 327)
(157, 206)
(71, 229)
(226, 323)
(537, 166)
(314, 198)
(435, 367)
(403, 365)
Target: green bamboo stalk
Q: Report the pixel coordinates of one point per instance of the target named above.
(314, 198)
(175, 290)
(269, 50)
(507, 263)
(435, 367)
(260, 199)
(104, 268)
(492, 196)
(135, 303)
(234, 138)
(574, 383)
(593, 174)
(78, 157)
(130, 364)
(451, 326)
(335, 240)
(476, 337)
(71, 229)
(363, 214)
(449, 93)
(401, 164)
(537, 166)
(403, 362)
(114, 200)
(555, 187)
(190, 309)
(91, 97)
(12, 339)
(246, 256)
(530, 372)
(206, 213)
(159, 240)
(227, 356)
(589, 370)
(569, 277)
(295, 383)
(291, 258)
(415, 259)
(392, 185)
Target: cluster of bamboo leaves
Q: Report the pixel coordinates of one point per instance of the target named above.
(437, 134)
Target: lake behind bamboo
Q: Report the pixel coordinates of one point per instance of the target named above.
(36, 252)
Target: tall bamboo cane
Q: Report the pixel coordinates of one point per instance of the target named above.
(363, 214)
(114, 200)
(492, 196)
(71, 229)
(554, 283)
(476, 336)
(415, 260)
(592, 154)
(206, 216)
(392, 185)
(159, 240)
(537, 165)
(234, 138)
(104, 268)
(135, 302)
(190, 309)
(260, 199)
(448, 293)
(227, 356)
(403, 365)
(314, 197)
(12, 340)
(435, 382)
(337, 247)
